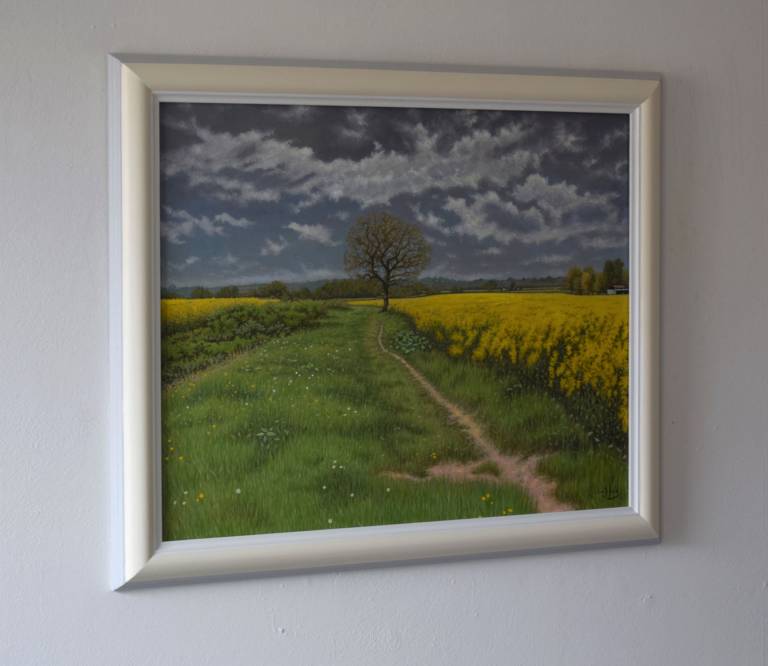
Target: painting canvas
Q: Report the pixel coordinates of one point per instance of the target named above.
(382, 315)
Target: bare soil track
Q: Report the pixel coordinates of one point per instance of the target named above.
(512, 468)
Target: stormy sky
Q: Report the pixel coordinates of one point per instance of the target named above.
(253, 193)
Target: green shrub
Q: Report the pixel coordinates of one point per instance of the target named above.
(233, 330)
(407, 342)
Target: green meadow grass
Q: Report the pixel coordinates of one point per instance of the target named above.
(302, 432)
(525, 422)
(593, 479)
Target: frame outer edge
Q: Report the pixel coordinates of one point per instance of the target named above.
(232, 557)
(344, 80)
(114, 236)
(138, 459)
(140, 557)
(650, 166)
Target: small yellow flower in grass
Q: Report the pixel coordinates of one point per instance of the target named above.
(200, 496)
(172, 449)
(181, 458)
(434, 455)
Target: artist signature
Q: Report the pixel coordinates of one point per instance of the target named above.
(610, 492)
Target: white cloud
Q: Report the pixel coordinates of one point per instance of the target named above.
(301, 274)
(226, 218)
(604, 242)
(431, 221)
(494, 250)
(227, 260)
(567, 139)
(313, 232)
(189, 261)
(474, 220)
(435, 241)
(296, 111)
(537, 188)
(542, 221)
(550, 259)
(226, 164)
(273, 248)
(356, 127)
(176, 225)
(617, 134)
(236, 190)
(617, 172)
(560, 199)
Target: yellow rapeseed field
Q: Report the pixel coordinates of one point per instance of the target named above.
(580, 342)
(183, 312)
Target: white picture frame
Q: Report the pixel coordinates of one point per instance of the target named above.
(139, 556)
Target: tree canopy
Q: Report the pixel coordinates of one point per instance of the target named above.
(386, 249)
(587, 280)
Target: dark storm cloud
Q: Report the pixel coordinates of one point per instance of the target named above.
(258, 192)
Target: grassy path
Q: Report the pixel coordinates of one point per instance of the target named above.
(305, 433)
(511, 468)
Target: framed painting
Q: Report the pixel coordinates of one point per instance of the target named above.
(363, 314)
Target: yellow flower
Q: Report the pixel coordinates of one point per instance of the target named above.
(580, 343)
(187, 311)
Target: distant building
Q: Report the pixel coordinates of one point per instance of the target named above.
(617, 289)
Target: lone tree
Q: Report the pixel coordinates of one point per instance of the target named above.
(382, 247)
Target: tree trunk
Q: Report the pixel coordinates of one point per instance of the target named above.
(386, 298)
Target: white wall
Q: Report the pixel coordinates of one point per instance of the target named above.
(698, 598)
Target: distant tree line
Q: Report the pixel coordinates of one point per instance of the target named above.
(579, 280)
(586, 280)
(345, 288)
(368, 288)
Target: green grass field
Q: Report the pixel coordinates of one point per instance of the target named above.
(302, 433)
